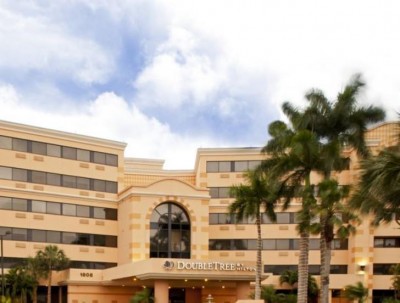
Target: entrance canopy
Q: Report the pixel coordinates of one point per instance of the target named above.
(183, 269)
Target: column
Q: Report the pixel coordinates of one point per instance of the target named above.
(161, 291)
(242, 290)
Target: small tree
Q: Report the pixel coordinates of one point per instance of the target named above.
(49, 259)
(395, 271)
(144, 296)
(356, 292)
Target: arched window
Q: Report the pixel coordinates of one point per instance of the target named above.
(169, 232)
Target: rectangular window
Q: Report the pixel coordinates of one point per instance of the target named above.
(38, 235)
(212, 219)
(111, 214)
(53, 236)
(82, 239)
(20, 234)
(314, 244)
(39, 148)
(69, 181)
(82, 183)
(68, 238)
(99, 158)
(69, 152)
(5, 203)
(83, 155)
(252, 244)
(212, 166)
(99, 240)
(241, 166)
(20, 145)
(224, 166)
(20, 204)
(69, 210)
(269, 244)
(283, 218)
(111, 160)
(53, 208)
(282, 244)
(38, 206)
(6, 173)
(20, 174)
(111, 187)
(111, 241)
(54, 150)
(99, 213)
(224, 192)
(53, 179)
(5, 142)
(99, 185)
(39, 177)
(83, 211)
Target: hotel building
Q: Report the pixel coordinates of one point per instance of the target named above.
(128, 224)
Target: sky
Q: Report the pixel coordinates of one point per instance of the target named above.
(168, 77)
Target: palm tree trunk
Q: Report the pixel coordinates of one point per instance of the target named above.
(302, 291)
(34, 294)
(257, 294)
(325, 247)
(49, 288)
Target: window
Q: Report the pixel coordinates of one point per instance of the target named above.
(5, 142)
(20, 204)
(99, 185)
(112, 160)
(39, 236)
(69, 209)
(39, 148)
(219, 192)
(20, 174)
(68, 238)
(212, 166)
(20, 234)
(224, 166)
(6, 173)
(39, 177)
(20, 145)
(83, 155)
(5, 203)
(83, 183)
(53, 208)
(111, 187)
(53, 236)
(38, 206)
(53, 179)
(69, 181)
(99, 158)
(169, 232)
(83, 211)
(282, 244)
(241, 166)
(283, 218)
(54, 150)
(69, 153)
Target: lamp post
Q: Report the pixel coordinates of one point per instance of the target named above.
(2, 262)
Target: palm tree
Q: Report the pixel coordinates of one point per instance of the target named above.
(144, 296)
(379, 188)
(339, 124)
(36, 271)
(356, 292)
(293, 155)
(251, 200)
(21, 283)
(289, 277)
(51, 258)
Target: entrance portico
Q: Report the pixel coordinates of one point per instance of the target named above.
(225, 281)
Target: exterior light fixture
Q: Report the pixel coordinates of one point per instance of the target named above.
(2, 262)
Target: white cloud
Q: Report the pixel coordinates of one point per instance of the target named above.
(109, 116)
(35, 43)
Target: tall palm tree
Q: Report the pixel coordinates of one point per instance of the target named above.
(336, 219)
(253, 199)
(51, 258)
(293, 154)
(339, 124)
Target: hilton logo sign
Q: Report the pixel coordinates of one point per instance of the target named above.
(210, 266)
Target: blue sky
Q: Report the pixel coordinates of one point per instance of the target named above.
(168, 77)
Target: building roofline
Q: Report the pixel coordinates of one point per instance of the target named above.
(57, 134)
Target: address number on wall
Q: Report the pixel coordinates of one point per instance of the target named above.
(87, 274)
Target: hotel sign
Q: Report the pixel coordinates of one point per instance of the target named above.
(207, 266)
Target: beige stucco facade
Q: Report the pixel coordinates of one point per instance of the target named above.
(112, 255)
